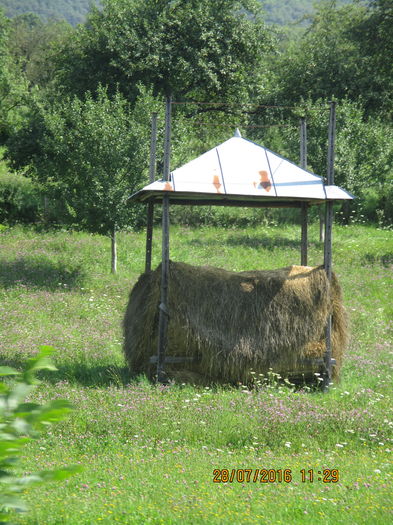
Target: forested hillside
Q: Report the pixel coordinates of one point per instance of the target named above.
(281, 12)
(286, 12)
(74, 11)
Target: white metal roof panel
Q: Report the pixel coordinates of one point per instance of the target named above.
(292, 181)
(200, 175)
(239, 169)
(245, 168)
(337, 193)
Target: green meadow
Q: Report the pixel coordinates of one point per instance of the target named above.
(148, 451)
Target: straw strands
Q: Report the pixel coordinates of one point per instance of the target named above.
(228, 324)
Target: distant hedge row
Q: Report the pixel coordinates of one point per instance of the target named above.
(20, 199)
(23, 201)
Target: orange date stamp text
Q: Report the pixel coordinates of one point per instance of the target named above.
(264, 475)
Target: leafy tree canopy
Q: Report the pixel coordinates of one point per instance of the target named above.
(30, 44)
(374, 37)
(191, 48)
(344, 53)
(13, 85)
(90, 153)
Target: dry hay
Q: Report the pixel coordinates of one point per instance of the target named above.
(232, 323)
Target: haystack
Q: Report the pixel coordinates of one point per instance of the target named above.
(228, 324)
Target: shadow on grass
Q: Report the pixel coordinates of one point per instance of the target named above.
(382, 260)
(102, 376)
(250, 242)
(91, 376)
(40, 274)
(79, 373)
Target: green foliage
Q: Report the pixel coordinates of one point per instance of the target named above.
(149, 451)
(20, 199)
(374, 36)
(13, 85)
(344, 53)
(223, 217)
(23, 145)
(205, 52)
(30, 44)
(322, 63)
(91, 155)
(191, 49)
(363, 152)
(281, 12)
(20, 421)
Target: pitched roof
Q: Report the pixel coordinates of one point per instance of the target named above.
(240, 171)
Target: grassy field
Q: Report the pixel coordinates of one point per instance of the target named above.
(148, 452)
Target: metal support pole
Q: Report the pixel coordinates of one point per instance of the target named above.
(321, 223)
(327, 376)
(163, 307)
(304, 247)
(331, 144)
(304, 207)
(150, 206)
(303, 143)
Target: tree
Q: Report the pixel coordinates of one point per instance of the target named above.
(345, 53)
(30, 44)
(324, 62)
(91, 154)
(374, 36)
(195, 48)
(13, 85)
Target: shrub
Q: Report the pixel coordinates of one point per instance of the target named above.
(20, 199)
(20, 422)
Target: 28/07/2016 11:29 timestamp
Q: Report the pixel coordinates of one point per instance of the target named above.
(249, 475)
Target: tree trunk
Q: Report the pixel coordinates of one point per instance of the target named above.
(114, 251)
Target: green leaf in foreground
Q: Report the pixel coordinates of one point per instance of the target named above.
(20, 422)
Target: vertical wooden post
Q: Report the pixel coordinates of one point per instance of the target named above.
(163, 307)
(304, 206)
(150, 206)
(327, 376)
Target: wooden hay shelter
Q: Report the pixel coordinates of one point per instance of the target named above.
(223, 325)
(263, 328)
